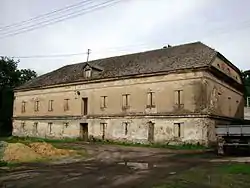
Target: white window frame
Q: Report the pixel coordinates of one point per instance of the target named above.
(88, 73)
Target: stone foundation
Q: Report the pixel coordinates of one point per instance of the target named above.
(143, 130)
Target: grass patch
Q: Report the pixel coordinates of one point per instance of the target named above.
(8, 164)
(184, 146)
(26, 140)
(236, 175)
(237, 168)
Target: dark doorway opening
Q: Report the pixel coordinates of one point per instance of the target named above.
(84, 131)
(84, 106)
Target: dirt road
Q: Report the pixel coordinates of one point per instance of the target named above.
(107, 166)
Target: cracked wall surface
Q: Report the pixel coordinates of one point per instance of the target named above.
(192, 130)
(203, 95)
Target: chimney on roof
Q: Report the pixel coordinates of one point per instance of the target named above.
(168, 46)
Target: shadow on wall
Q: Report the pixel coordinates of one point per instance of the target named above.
(239, 113)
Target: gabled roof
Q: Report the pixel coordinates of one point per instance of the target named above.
(95, 67)
(193, 55)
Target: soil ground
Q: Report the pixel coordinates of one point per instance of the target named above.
(122, 166)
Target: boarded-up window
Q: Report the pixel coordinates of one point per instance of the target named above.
(36, 107)
(178, 98)
(178, 129)
(50, 127)
(103, 101)
(23, 107)
(66, 104)
(150, 99)
(125, 100)
(35, 127)
(50, 106)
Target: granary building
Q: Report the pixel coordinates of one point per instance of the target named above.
(177, 93)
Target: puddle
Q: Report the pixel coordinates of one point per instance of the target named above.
(136, 165)
(143, 165)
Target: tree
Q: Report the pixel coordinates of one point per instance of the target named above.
(10, 77)
(246, 82)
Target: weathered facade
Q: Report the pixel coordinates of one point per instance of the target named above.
(171, 94)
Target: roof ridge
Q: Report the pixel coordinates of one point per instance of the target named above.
(176, 46)
(182, 56)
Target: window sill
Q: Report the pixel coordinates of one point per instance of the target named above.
(125, 107)
(103, 108)
(150, 106)
(179, 106)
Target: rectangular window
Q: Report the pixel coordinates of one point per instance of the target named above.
(178, 97)
(35, 127)
(50, 127)
(84, 106)
(50, 107)
(36, 107)
(248, 101)
(87, 73)
(103, 128)
(23, 126)
(23, 107)
(66, 104)
(65, 126)
(229, 106)
(103, 101)
(125, 100)
(178, 129)
(125, 126)
(150, 99)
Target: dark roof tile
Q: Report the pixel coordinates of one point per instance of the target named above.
(193, 55)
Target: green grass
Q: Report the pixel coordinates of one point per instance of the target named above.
(27, 140)
(235, 168)
(212, 175)
(15, 139)
(8, 164)
(156, 145)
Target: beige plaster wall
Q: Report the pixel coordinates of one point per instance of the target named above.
(162, 86)
(165, 130)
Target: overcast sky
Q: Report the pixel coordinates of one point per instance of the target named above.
(126, 27)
